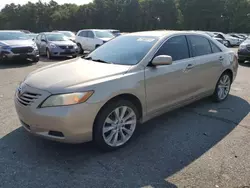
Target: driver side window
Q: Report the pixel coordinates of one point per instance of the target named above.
(176, 47)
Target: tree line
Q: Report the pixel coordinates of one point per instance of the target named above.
(130, 15)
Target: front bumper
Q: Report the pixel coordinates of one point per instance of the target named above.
(243, 54)
(9, 55)
(69, 124)
(59, 52)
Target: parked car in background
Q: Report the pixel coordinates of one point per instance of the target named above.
(32, 36)
(222, 41)
(54, 44)
(127, 81)
(230, 41)
(241, 38)
(115, 32)
(90, 39)
(244, 51)
(17, 45)
(69, 34)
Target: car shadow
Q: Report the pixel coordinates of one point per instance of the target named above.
(160, 148)
(15, 64)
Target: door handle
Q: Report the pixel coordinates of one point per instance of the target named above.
(221, 58)
(190, 66)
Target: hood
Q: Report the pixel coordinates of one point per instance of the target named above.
(17, 42)
(68, 42)
(58, 77)
(105, 39)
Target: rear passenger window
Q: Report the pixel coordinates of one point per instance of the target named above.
(176, 47)
(83, 34)
(90, 34)
(215, 48)
(199, 45)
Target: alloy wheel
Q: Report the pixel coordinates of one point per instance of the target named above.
(119, 126)
(223, 87)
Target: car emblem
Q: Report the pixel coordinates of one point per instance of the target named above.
(20, 90)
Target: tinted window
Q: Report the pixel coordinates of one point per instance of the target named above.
(90, 34)
(176, 47)
(215, 48)
(83, 34)
(124, 50)
(56, 37)
(103, 34)
(200, 45)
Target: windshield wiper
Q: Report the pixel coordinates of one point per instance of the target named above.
(100, 61)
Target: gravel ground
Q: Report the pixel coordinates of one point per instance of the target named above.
(203, 145)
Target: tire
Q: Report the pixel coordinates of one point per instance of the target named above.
(118, 131)
(227, 44)
(81, 51)
(221, 91)
(48, 54)
(35, 59)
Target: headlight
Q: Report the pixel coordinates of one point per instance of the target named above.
(52, 45)
(67, 99)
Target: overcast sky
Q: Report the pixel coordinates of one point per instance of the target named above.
(78, 2)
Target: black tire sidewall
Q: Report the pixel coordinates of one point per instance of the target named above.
(101, 117)
(215, 95)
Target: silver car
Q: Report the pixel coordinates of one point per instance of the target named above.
(53, 44)
(17, 45)
(126, 81)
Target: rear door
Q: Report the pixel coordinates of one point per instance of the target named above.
(91, 41)
(209, 58)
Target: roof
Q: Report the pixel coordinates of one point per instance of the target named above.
(162, 33)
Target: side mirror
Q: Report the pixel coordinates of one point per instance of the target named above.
(162, 60)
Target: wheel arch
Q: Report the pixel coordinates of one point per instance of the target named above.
(126, 96)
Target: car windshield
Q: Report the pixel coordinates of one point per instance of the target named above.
(13, 36)
(67, 33)
(56, 37)
(103, 34)
(124, 50)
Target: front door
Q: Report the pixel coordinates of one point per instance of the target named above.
(168, 85)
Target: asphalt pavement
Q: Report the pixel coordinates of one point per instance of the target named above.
(204, 145)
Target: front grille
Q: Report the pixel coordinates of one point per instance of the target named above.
(22, 50)
(27, 98)
(66, 47)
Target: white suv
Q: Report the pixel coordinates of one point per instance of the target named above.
(90, 39)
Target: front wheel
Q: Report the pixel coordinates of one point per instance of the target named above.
(35, 59)
(223, 87)
(48, 54)
(115, 125)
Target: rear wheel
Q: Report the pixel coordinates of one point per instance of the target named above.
(80, 50)
(115, 125)
(227, 44)
(223, 87)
